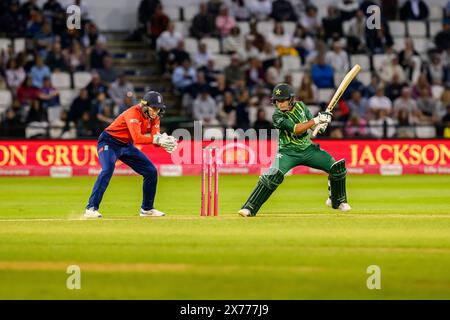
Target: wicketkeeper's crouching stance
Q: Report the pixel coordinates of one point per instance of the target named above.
(139, 124)
(293, 119)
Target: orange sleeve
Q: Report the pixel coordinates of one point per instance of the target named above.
(155, 127)
(133, 119)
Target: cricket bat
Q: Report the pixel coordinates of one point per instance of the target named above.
(340, 91)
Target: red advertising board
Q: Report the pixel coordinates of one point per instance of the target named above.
(79, 157)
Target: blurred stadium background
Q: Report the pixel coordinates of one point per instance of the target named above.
(217, 61)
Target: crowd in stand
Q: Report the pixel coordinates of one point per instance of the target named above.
(408, 89)
(50, 48)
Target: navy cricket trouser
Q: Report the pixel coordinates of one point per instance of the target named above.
(109, 150)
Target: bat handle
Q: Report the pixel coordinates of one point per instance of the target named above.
(316, 131)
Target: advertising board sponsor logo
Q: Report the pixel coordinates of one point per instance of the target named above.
(435, 170)
(237, 153)
(234, 170)
(170, 170)
(355, 170)
(313, 170)
(61, 172)
(124, 172)
(391, 169)
(14, 172)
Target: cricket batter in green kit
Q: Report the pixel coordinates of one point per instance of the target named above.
(293, 119)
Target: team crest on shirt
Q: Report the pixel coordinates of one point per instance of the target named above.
(156, 126)
(278, 121)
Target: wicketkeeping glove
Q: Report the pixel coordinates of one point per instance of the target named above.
(169, 143)
(171, 146)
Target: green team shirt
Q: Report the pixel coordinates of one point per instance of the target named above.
(285, 123)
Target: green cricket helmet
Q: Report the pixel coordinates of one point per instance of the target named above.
(282, 91)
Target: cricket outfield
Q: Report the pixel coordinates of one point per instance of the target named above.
(296, 248)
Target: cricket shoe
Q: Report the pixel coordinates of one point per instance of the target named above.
(344, 206)
(92, 213)
(151, 213)
(245, 213)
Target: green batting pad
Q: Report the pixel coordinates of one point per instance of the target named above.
(337, 176)
(267, 184)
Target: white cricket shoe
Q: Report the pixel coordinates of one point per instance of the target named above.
(151, 213)
(91, 213)
(343, 206)
(245, 213)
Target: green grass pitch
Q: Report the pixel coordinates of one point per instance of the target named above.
(296, 248)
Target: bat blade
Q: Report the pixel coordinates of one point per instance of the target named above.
(343, 86)
(340, 91)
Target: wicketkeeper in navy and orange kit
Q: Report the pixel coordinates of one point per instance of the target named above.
(137, 125)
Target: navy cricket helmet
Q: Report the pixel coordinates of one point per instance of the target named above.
(153, 99)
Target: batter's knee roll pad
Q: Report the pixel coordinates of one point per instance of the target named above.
(272, 178)
(338, 173)
(338, 170)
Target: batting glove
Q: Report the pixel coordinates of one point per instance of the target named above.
(322, 127)
(322, 117)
